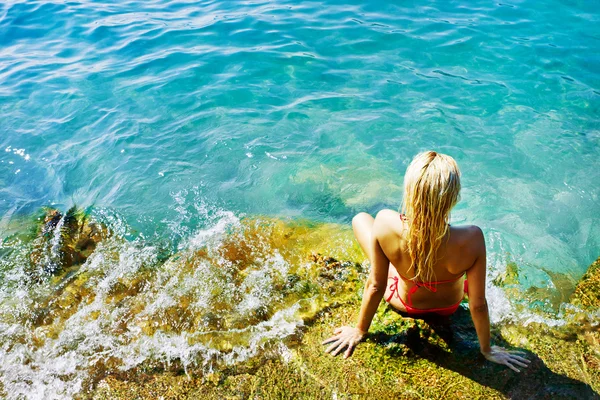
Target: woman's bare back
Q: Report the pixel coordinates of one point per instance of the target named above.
(456, 254)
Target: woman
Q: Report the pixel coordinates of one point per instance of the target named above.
(418, 260)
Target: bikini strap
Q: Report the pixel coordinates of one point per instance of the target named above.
(411, 291)
(432, 286)
(429, 285)
(393, 288)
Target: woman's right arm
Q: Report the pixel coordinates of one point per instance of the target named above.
(479, 308)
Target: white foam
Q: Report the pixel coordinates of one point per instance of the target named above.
(102, 329)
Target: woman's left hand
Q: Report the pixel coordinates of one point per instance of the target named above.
(509, 358)
(344, 337)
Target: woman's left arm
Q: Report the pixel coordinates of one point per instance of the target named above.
(348, 337)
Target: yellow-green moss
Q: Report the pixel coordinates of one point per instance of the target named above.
(402, 357)
(388, 366)
(509, 277)
(587, 292)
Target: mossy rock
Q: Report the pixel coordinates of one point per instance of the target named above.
(64, 241)
(509, 277)
(402, 357)
(587, 292)
(386, 365)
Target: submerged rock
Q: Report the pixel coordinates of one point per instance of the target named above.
(509, 277)
(64, 240)
(547, 299)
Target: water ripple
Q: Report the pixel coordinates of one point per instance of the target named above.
(120, 104)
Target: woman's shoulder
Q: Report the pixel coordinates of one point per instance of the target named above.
(389, 218)
(472, 230)
(467, 235)
(388, 222)
(387, 214)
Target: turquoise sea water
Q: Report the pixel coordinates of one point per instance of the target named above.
(309, 109)
(171, 114)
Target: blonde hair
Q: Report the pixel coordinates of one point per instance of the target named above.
(431, 189)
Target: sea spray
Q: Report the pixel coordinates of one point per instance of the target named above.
(232, 291)
(236, 288)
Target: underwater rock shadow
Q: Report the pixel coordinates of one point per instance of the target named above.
(455, 347)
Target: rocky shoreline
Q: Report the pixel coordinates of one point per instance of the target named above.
(401, 358)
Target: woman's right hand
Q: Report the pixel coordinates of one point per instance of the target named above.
(500, 355)
(344, 337)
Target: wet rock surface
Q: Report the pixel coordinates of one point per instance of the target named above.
(436, 357)
(64, 240)
(547, 300)
(587, 292)
(406, 359)
(402, 357)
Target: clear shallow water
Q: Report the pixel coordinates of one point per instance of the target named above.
(307, 109)
(164, 114)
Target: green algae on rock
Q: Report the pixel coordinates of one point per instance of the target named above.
(199, 335)
(219, 300)
(64, 240)
(587, 292)
(402, 358)
(509, 277)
